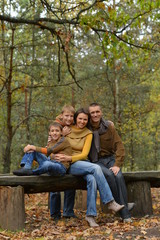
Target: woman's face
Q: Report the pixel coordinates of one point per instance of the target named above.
(82, 120)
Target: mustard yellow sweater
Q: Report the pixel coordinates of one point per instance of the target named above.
(80, 141)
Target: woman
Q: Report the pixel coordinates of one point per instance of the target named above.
(80, 140)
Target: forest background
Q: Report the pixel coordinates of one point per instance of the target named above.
(77, 52)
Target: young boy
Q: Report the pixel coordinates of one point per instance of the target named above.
(48, 165)
(65, 119)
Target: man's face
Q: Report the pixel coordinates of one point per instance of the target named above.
(95, 113)
(68, 118)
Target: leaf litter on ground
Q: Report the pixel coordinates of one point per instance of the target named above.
(39, 225)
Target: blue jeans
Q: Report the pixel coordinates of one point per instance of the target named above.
(93, 174)
(69, 197)
(51, 167)
(116, 183)
(55, 203)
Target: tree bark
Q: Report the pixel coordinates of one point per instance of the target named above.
(12, 210)
(140, 193)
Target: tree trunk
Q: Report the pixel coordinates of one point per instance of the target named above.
(139, 192)
(7, 155)
(12, 210)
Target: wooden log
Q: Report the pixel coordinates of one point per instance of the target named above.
(12, 210)
(139, 192)
(45, 183)
(81, 200)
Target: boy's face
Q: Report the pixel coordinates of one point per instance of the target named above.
(68, 118)
(55, 133)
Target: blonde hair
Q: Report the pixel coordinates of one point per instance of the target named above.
(68, 108)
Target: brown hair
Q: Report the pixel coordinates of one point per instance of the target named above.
(55, 124)
(81, 110)
(94, 104)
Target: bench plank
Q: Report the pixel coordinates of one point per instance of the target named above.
(45, 183)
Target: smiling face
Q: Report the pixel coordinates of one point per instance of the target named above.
(81, 120)
(95, 113)
(55, 132)
(68, 118)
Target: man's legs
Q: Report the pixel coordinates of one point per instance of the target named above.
(121, 186)
(109, 175)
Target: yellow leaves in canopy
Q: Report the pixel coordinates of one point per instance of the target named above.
(100, 5)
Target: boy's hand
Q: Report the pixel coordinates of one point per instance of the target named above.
(49, 139)
(66, 130)
(29, 148)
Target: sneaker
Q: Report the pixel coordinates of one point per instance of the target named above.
(131, 206)
(91, 222)
(115, 206)
(23, 172)
(74, 216)
(55, 218)
(127, 220)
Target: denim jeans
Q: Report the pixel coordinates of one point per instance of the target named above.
(69, 198)
(55, 203)
(116, 183)
(93, 174)
(51, 167)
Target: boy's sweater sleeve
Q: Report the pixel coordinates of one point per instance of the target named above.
(55, 149)
(86, 148)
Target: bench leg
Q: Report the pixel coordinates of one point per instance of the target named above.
(140, 193)
(12, 210)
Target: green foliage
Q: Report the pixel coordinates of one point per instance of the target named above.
(111, 52)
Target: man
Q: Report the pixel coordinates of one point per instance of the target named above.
(108, 152)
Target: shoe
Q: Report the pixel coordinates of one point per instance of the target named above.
(74, 216)
(127, 220)
(55, 218)
(91, 222)
(115, 206)
(131, 206)
(23, 172)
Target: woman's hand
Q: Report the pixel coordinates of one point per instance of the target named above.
(62, 157)
(29, 148)
(66, 130)
(115, 170)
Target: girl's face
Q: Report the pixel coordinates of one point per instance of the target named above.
(82, 120)
(55, 133)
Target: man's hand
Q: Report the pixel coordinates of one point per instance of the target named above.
(63, 158)
(115, 170)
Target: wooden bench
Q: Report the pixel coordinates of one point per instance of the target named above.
(13, 188)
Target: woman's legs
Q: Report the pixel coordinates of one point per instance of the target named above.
(91, 195)
(84, 168)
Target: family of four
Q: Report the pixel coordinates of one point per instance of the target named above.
(82, 143)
